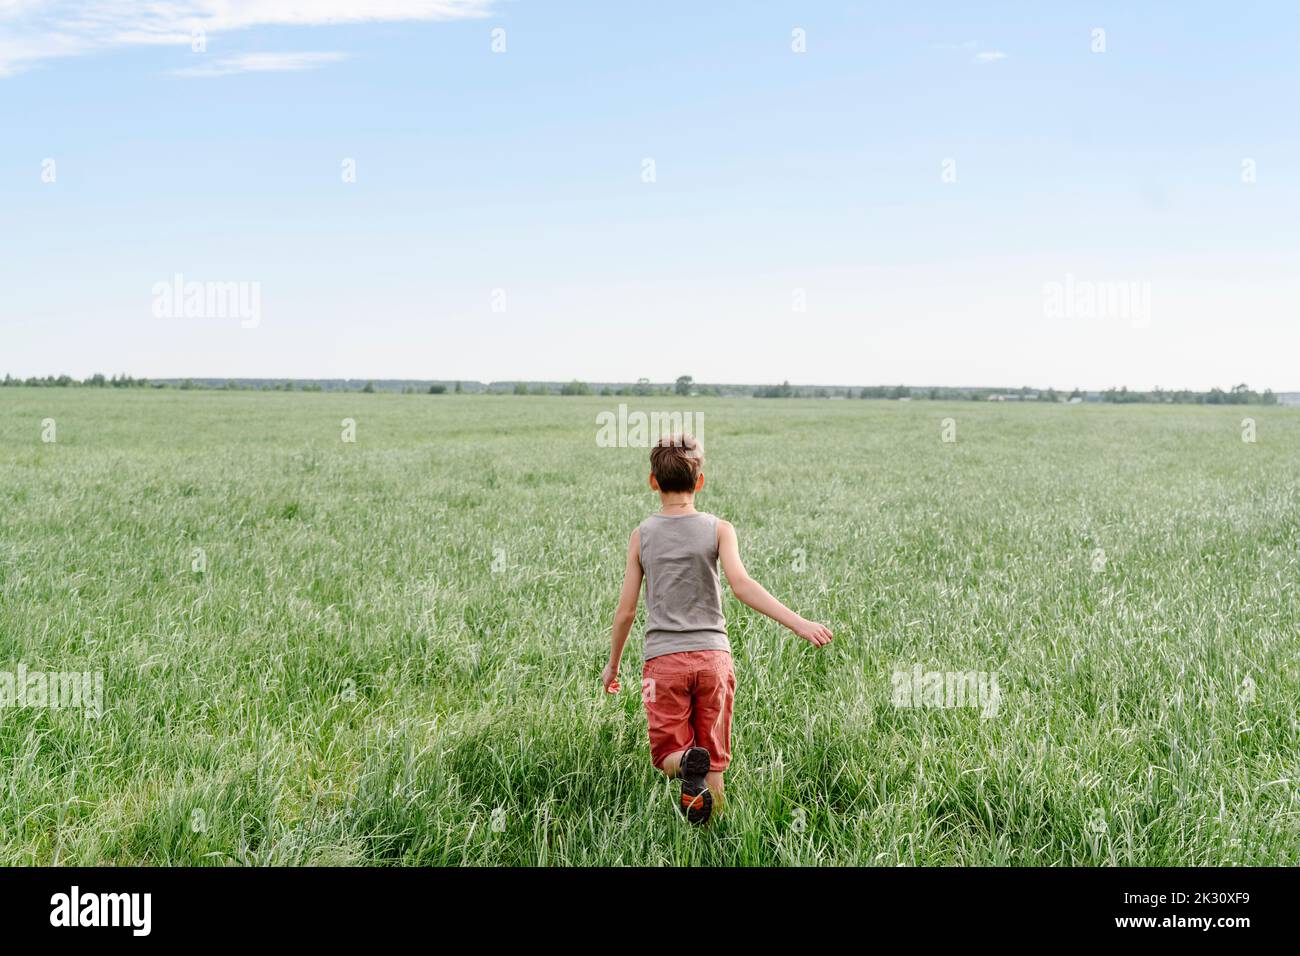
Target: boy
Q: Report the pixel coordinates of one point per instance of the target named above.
(687, 682)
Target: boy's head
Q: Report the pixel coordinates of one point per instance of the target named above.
(675, 463)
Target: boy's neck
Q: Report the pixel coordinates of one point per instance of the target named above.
(677, 502)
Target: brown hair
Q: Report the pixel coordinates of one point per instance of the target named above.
(675, 461)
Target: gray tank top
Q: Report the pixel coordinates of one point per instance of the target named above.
(683, 596)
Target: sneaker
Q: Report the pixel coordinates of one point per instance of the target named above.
(697, 801)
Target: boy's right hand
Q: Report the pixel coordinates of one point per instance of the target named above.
(815, 634)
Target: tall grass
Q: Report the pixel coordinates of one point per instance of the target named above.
(349, 680)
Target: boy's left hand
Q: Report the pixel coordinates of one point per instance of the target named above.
(609, 678)
(818, 635)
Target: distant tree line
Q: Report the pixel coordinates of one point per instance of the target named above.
(1237, 395)
(684, 386)
(65, 381)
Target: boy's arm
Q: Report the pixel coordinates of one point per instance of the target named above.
(625, 614)
(750, 592)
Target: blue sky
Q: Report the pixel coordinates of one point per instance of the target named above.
(780, 178)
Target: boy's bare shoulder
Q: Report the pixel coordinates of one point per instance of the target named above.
(725, 531)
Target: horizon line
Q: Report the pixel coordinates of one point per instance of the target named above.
(667, 383)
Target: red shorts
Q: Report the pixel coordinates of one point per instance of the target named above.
(688, 698)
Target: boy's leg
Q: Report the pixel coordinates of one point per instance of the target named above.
(714, 780)
(668, 690)
(672, 764)
(714, 694)
(666, 696)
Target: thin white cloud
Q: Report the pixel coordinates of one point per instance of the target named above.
(36, 30)
(975, 48)
(261, 63)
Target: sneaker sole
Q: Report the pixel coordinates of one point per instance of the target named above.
(696, 801)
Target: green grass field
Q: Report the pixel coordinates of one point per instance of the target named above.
(392, 655)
